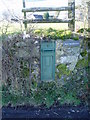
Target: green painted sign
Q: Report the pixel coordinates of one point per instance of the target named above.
(48, 60)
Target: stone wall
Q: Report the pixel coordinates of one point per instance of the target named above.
(71, 60)
(27, 51)
(67, 52)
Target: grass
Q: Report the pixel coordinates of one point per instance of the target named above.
(70, 98)
(11, 28)
(57, 26)
(46, 93)
(16, 27)
(71, 93)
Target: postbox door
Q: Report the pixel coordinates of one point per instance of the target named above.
(47, 66)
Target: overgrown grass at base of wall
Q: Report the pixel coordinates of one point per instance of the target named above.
(48, 93)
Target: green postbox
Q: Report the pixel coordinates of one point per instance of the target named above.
(48, 60)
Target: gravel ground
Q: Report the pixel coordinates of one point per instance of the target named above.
(64, 112)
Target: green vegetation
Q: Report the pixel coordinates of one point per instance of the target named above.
(18, 27)
(76, 38)
(82, 30)
(83, 53)
(37, 31)
(73, 92)
(70, 98)
(82, 63)
(62, 70)
(10, 28)
(46, 16)
(43, 93)
(88, 29)
(55, 34)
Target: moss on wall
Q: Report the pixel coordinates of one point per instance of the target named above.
(62, 70)
(82, 63)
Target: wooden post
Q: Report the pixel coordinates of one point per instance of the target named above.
(24, 14)
(88, 4)
(71, 15)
